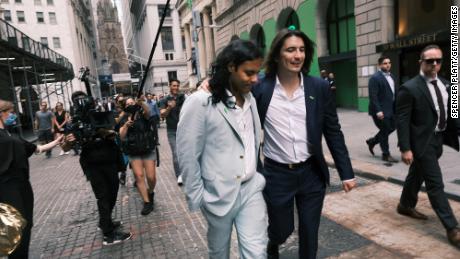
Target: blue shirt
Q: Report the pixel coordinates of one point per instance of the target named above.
(154, 111)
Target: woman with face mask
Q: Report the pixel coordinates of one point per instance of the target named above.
(15, 188)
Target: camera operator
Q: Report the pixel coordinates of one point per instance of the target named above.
(100, 160)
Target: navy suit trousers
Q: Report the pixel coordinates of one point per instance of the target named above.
(305, 186)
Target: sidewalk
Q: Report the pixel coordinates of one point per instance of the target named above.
(358, 126)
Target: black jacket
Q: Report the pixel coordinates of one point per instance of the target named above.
(417, 117)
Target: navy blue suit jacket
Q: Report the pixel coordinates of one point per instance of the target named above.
(381, 98)
(321, 120)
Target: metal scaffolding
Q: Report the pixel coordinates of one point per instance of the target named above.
(26, 68)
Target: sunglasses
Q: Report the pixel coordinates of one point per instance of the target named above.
(431, 61)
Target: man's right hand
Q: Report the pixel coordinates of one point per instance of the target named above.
(407, 157)
(172, 103)
(380, 115)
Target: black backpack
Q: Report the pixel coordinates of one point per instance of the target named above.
(142, 137)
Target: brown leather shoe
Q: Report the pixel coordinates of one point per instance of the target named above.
(454, 237)
(389, 158)
(410, 212)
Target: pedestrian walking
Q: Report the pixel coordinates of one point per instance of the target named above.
(424, 124)
(170, 108)
(218, 140)
(15, 187)
(60, 120)
(44, 121)
(382, 93)
(136, 127)
(296, 110)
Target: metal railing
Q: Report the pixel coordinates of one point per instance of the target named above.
(16, 38)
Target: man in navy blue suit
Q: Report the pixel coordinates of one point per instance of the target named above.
(382, 93)
(296, 110)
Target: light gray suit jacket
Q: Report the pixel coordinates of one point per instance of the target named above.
(211, 153)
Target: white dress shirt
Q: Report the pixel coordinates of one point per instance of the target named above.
(244, 119)
(390, 81)
(286, 127)
(445, 95)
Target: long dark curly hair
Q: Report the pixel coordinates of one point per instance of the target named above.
(235, 53)
(271, 63)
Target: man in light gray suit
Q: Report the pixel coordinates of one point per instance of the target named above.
(218, 139)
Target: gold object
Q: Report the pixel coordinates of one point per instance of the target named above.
(11, 225)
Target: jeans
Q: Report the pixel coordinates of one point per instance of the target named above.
(172, 144)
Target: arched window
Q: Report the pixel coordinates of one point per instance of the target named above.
(257, 35)
(288, 17)
(341, 26)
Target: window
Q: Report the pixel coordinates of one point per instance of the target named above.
(18, 1)
(341, 26)
(40, 17)
(161, 7)
(21, 16)
(56, 42)
(172, 75)
(7, 15)
(50, 2)
(38, 2)
(169, 56)
(53, 19)
(44, 41)
(167, 38)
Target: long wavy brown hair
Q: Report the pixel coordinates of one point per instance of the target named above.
(271, 62)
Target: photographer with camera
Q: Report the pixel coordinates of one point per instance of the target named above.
(138, 136)
(170, 108)
(100, 160)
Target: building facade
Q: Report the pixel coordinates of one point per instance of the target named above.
(140, 22)
(65, 26)
(221, 21)
(350, 35)
(112, 58)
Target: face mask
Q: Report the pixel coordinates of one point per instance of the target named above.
(11, 119)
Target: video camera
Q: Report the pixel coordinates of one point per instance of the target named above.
(86, 119)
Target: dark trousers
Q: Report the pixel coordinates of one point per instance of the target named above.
(104, 182)
(19, 195)
(426, 169)
(386, 127)
(304, 185)
(45, 136)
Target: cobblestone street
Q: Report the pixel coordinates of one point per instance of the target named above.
(66, 218)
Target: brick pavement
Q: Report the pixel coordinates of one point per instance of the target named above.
(66, 218)
(66, 215)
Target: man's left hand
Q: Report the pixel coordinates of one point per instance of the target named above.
(349, 185)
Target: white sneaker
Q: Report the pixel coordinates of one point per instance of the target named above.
(62, 153)
(179, 180)
(66, 153)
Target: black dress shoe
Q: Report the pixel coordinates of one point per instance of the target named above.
(453, 236)
(389, 158)
(370, 145)
(410, 212)
(272, 251)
